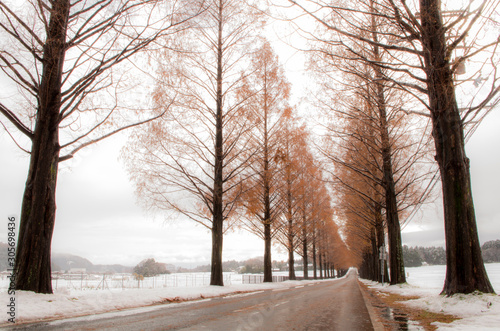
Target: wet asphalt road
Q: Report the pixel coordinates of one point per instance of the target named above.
(328, 305)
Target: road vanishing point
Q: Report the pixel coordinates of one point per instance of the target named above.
(325, 305)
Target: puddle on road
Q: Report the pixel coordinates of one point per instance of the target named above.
(398, 320)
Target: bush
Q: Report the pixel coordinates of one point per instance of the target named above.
(150, 268)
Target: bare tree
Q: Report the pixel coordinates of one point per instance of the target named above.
(370, 137)
(333, 253)
(194, 161)
(294, 147)
(59, 54)
(303, 196)
(310, 183)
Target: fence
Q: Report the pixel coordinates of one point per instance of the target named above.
(84, 281)
(258, 278)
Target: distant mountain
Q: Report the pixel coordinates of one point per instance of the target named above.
(65, 262)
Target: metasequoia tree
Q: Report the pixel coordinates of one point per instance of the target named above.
(308, 194)
(307, 225)
(357, 177)
(59, 54)
(361, 212)
(430, 47)
(194, 161)
(290, 158)
(370, 104)
(358, 174)
(329, 251)
(377, 142)
(336, 254)
(268, 106)
(321, 214)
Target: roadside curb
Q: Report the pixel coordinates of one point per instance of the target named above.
(376, 323)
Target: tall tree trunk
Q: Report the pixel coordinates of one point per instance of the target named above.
(315, 273)
(305, 260)
(326, 257)
(33, 270)
(268, 271)
(379, 228)
(374, 257)
(320, 261)
(465, 272)
(290, 235)
(291, 265)
(397, 271)
(391, 205)
(216, 276)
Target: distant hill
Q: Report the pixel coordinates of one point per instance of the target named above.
(3, 256)
(64, 262)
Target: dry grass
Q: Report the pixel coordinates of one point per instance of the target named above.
(395, 301)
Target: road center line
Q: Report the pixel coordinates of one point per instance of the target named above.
(281, 303)
(248, 308)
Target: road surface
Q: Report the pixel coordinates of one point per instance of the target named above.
(329, 305)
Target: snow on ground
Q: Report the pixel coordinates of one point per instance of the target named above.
(476, 311)
(71, 303)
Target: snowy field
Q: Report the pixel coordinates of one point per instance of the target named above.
(478, 312)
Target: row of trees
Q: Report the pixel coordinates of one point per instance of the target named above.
(416, 256)
(382, 162)
(230, 152)
(416, 48)
(220, 144)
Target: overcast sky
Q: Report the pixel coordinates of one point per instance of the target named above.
(483, 150)
(98, 218)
